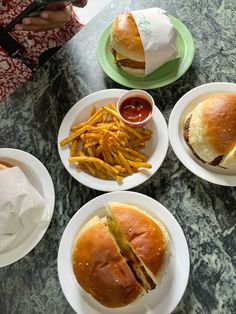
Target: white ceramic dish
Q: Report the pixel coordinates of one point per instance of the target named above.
(156, 148)
(184, 105)
(161, 300)
(42, 182)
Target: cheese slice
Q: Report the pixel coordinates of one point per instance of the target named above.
(229, 160)
(119, 56)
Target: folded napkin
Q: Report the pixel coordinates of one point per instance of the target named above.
(158, 36)
(21, 208)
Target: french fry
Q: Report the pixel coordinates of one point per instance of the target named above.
(73, 136)
(74, 148)
(91, 154)
(138, 164)
(91, 121)
(93, 111)
(133, 152)
(112, 106)
(116, 158)
(98, 161)
(113, 113)
(124, 162)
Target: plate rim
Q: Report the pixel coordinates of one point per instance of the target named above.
(188, 42)
(175, 138)
(38, 233)
(85, 212)
(111, 185)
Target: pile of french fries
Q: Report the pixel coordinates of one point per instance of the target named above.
(106, 147)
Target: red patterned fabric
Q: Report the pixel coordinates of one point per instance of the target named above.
(13, 72)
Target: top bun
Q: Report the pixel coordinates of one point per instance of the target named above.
(210, 130)
(100, 268)
(125, 37)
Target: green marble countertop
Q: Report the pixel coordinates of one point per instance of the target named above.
(31, 117)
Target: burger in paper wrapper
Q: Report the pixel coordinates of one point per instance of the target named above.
(142, 41)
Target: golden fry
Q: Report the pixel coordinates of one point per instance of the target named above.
(124, 162)
(94, 160)
(73, 136)
(93, 111)
(135, 153)
(138, 164)
(112, 106)
(74, 148)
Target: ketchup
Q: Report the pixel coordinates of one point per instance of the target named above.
(135, 109)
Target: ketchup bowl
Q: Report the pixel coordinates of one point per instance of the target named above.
(135, 107)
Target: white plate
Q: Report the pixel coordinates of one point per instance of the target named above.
(176, 121)
(161, 300)
(42, 182)
(156, 148)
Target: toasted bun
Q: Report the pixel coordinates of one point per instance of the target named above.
(210, 131)
(147, 237)
(229, 160)
(100, 268)
(135, 72)
(125, 37)
(3, 165)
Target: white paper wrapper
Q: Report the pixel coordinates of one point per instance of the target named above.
(21, 208)
(158, 36)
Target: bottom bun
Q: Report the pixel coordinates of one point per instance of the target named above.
(229, 161)
(3, 165)
(133, 71)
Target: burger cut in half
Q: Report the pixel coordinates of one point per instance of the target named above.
(210, 131)
(126, 45)
(100, 268)
(118, 258)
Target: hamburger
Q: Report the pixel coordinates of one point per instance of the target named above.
(210, 130)
(126, 45)
(118, 258)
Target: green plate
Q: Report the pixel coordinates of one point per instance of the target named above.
(166, 74)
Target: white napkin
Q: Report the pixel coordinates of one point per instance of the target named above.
(21, 208)
(158, 37)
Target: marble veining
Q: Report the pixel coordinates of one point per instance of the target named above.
(30, 119)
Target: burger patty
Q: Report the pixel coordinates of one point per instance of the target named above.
(127, 62)
(131, 64)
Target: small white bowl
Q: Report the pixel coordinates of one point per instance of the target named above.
(133, 94)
